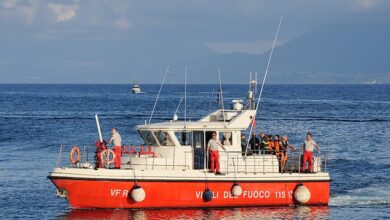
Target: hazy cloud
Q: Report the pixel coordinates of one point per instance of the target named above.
(9, 4)
(63, 12)
(28, 12)
(367, 4)
(125, 35)
(122, 24)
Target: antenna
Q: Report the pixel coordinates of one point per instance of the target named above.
(269, 62)
(220, 91)
(177, 109)
(255, 83)
(185, 95)
(211, 99)
(250, 81)
(262, 85)
(158, 94)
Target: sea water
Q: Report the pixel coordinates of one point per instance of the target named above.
(349, 122)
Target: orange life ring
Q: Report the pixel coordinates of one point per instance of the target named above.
(74, 150)
(105, 156)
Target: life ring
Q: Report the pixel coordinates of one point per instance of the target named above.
(74, 150)
(105, 156)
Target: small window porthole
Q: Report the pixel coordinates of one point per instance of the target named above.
(226, 138)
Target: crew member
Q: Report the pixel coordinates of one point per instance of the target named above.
(244, 150)
(284, 145)
(254, 143)
(266, 145)
(270, 145)
(213, 146)
(276, 146)
(307, 148)
(261, 145)
(116, 139)
(100, 146)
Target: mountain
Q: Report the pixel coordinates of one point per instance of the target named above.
(349, 52)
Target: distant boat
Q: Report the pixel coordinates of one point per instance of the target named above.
(136, 88)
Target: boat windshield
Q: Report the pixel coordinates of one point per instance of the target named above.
(148, 138)
(164, 138)
(184, 137)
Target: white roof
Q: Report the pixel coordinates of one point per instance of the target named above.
(239, 122)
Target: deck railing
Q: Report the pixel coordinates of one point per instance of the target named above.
(230, 161)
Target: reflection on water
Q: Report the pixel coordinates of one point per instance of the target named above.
(308, 212)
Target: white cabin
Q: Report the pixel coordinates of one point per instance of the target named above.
(182, 145)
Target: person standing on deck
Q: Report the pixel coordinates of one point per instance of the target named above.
(261, 145)
(116, 139)
(254, 143)
(276, 146)
(270, 145)
(244, 149)
(307, 148)
(213, 146)
(284, 145)
(100, 146)
(266, 145)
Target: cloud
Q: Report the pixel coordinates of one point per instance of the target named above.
(9, 4)
(28, 12)
(362, 5)
(62, 12)
(122, 24)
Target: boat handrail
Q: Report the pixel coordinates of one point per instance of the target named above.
(265, 161)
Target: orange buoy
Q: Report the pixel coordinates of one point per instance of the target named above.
(75, 150)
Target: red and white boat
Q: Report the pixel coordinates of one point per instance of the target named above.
(173, 172)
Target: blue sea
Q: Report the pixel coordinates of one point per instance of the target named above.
(350, 122)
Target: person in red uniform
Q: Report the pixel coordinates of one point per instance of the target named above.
(100, 146)
(307, 148)
(213, 146)
(116, 139)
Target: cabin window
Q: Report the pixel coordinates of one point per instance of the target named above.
(164, 138)
(184, 137)
(198, 139)
(148, 138)
(226, 138)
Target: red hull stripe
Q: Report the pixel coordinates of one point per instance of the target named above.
(115, 194)
(181, 180)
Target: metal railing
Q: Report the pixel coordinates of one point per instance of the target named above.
(230, 162)
(87, 155)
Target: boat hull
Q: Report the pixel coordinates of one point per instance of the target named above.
(98, 193)
(136, 90)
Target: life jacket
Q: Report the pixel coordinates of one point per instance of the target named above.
(266, 144)
(271, 145)
(276, 145)
(283, 150)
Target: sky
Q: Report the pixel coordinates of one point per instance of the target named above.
(116, 41)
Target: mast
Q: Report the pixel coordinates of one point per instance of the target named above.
(262, 85)
(185, 95)
(158, 94)
(221, 96)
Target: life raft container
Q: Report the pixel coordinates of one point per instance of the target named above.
(105, 156)
(75, 150)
